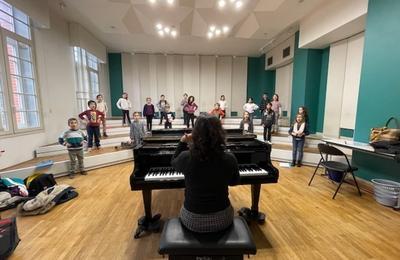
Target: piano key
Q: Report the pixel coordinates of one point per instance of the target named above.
(169, 173)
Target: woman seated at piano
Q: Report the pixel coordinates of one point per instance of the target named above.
(208, 171)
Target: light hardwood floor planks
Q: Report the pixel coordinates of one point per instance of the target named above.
(303, 222)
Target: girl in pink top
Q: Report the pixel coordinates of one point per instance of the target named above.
(276, 107)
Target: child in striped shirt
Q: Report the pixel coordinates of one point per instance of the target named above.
(73, 139)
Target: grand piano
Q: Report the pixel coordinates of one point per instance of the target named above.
(153, 170)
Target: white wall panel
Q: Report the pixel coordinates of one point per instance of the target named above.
(351, 86)
(191, 76)
(136, 100)
(205, 77)
(208, 70)
(178, 83)
(239, 85)
(283, 86)
(169, 84)
(334, 88)
(153, 78)
(144, 76)
(224, 78)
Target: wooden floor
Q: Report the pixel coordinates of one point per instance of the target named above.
(303, 222)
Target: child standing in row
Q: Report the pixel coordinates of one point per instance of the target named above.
(93, 119)
(183, 104)
(124, 104)
(73, 139)
(250, 107)
(169, 117)
(298, 131)
(246, 125)
(102, 107)
(190, 108)
(223, 105)
(137, 132)
(161, 107)
(276, 107)
(267, 120)
(217, 111)
(148, 112)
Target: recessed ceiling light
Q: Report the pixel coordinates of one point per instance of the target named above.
(152, 1)
(159, 26)
(232, 1)
(221, 3)
(238, 4)
(174, 33)
(170, 2)
(210, 35)
(167, 30)
(212, 28)
(161, 33)
(217, 32)
(225, 29)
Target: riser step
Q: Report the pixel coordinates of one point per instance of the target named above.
(61, 168)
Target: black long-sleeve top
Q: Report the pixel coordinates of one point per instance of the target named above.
(206, 181)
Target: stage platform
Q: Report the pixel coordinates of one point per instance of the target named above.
(111, 152)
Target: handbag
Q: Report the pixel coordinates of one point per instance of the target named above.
(385, 134)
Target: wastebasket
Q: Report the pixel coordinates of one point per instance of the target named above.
(386, 192)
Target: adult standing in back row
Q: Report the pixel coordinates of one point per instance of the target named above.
(124, 104)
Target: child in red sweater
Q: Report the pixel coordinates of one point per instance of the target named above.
(93, 119)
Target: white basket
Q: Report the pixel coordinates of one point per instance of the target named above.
(387, 192)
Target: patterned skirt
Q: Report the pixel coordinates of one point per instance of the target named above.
(204, 223)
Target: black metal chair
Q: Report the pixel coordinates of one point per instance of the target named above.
(326, 150)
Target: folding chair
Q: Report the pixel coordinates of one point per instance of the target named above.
(330, 165)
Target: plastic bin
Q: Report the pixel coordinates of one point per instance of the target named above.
(387, 192)
(335, 176)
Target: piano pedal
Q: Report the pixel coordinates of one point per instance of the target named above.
(152, 225)
(252, 215)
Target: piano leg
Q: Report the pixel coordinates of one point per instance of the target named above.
(147, 222)
(253, 214)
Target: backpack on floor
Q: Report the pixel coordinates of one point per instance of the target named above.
(8, 237)
(39, 183)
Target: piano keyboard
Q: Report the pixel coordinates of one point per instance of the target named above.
(169, 173)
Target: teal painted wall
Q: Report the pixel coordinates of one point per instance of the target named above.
(322, 90)
(379, 92)
(306, 83)
(116, 85)
(259, 80)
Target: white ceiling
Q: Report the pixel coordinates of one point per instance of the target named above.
(129, 25)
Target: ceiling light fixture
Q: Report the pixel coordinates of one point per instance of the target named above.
(163, 30)
(233, 3)
(169, 2)
(225, 29)
(174, 33)
(215, 31)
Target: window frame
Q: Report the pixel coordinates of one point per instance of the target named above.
(83, 70)
(8, 93)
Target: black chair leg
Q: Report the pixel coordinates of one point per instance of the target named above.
(340, 184)
(309, 183)
(355, 181)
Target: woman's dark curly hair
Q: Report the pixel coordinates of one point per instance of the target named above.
(208, 138)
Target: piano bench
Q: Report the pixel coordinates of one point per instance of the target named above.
(180, 243)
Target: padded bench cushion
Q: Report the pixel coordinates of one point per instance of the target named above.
(177, 240)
